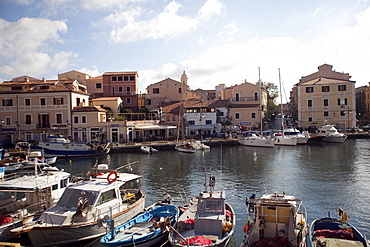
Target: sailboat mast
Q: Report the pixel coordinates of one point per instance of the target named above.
(281, 105)
(259, 80)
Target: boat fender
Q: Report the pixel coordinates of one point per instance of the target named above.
(112, 177)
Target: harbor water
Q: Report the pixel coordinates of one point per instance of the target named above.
(325, 176)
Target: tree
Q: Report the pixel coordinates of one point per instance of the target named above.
(272, 94)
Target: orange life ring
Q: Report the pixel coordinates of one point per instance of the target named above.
(112, 177)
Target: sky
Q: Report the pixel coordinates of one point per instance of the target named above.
(213, 41)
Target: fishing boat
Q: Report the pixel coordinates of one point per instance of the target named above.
(334, 232)
(79, 213)
(254, 140)
(62, 147)
(275, 220)
(149, 228)
(148, 149)
(209, 220)
(25, 195)
(331, 134)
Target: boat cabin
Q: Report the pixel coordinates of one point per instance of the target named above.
(210, 216)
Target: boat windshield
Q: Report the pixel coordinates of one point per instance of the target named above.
(70, 197)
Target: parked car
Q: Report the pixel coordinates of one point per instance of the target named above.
(366, 127)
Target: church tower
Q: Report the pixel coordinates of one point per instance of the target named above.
(184, 78)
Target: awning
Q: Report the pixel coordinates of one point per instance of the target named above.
(155, 127)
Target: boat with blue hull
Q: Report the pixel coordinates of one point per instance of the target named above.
(149, 228)
(335, 232)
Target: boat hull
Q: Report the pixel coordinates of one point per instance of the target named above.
(335, 139)
(253, 142)
(66, 234)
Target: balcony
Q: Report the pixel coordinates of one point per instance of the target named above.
(125, 93)
(245, 99)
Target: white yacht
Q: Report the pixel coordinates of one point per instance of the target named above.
(331, 134)
(301, 139)
(254, 140)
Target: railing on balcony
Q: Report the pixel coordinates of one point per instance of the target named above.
(244, 99)
(122, 93)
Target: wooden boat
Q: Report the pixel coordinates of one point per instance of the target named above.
(146, 229)
(209, 221)
(28, 194)
(334, 232)
(279, 220)
(79, 212)
(148, 149)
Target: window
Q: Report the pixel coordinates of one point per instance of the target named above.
(342, 113)
(8, 121)
(17, 88)
(125, 78)
(28, 119)
(221, 113)
(345, 101)
(237, 115)
(253, 115)
(83, 119)
(309, 119)
(98, 85)
(191, 122)
(128, 100)
(132, 78)
(208, 121)
(148, 101)
(326, 114)
(59, 118)
(42, 101)
(106, 197)
(75, 119)
(155, 90)
(179, 89)
(255, 96)
(119, 78)
(309, 89)
(237, 96)
(58, 101)
(7, 102)
(120, 89)
(325, 89)
(27, 101)
(128, 90)
(342, 88)
(326, 102)
(114, 78)
(309, 103)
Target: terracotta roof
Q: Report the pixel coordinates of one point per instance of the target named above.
(121, 73)
(323, 81)
(105, 98)
(88, 109)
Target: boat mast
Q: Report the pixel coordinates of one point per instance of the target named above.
(259, 80)
(281, 106)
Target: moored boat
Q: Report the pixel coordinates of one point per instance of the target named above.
(185, 147)
(148, 149)
(301, 138)
(335, 232)
(254, 140)
(26, 195)
(209, 221)
(331, 134)
(149, 228)
(279, 220)
(79, 212)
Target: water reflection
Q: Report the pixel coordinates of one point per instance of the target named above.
(324, 176)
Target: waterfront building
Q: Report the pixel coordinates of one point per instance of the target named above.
(124, 85)
(32, 109)
(246, 104)
(325, 96)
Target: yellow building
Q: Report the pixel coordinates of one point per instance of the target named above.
(326, 96)
(245, 103)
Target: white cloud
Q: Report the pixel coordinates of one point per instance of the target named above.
(91, 72)
(210, 8)
(27, 46)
